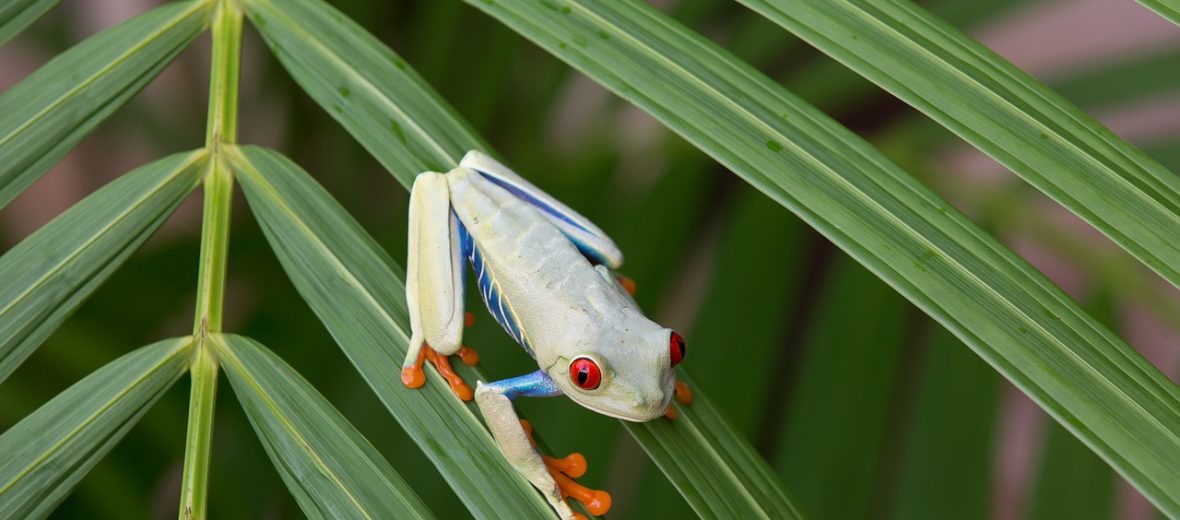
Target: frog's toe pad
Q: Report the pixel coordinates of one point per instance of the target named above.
(413, 377)
(468, 355)
(683, 393)
(683, 396)
(564, 470)
(627, 283)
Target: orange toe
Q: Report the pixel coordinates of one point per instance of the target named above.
(683, 393)
(670, 414)
(573, 465)
(468, 355)
(628, 284)
(413, 376)
(564, 470)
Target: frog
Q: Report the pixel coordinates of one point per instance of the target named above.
(547, 275)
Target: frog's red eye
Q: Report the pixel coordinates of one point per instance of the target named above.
(677, 348)
(585, 373)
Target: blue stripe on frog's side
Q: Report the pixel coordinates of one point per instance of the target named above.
(489, 290)
(586, 250)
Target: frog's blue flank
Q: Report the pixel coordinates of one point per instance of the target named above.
(485, 280)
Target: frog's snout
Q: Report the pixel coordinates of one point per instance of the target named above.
(654, 404)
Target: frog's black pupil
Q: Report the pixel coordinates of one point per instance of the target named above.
(680, 346)
(583, 374)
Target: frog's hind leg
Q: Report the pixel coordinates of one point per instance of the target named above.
(588, 238)
(552, 476)
(434, 284)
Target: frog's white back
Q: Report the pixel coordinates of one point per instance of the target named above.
(563, 306)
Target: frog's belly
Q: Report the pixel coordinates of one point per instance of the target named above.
(532, 278)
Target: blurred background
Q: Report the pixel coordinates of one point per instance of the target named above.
(865, 407)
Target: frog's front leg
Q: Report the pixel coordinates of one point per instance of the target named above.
(553, 477)
(434, 285)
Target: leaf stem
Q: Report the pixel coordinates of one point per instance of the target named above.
(222, 130)
(219, 185)
(198, 440)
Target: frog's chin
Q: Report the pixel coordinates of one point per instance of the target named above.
(632, 414)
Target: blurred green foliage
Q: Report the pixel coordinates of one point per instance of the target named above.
(865, 408)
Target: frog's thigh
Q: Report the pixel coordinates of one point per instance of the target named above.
(434, 270)
(588, 238)
(495, 403)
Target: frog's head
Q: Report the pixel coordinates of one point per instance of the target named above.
(631, 380)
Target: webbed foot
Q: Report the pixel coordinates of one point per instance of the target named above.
(414, 377)
(564, 470)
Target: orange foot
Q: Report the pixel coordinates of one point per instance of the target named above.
(413, 376)
(564, 471)
(683, 396)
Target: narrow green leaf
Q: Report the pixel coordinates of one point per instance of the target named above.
(1166, 8)
(331, 469)
(1002, 111)
(761, 246)
(45, 277)
(712, 465)
(1135, 78)
(386, 106)
(1072, 482)
(1087, 378)
(423, 133)
(15, 15)
(48, 452)
(946, 469)
(833, 440)
(44, 116)
(357, 291)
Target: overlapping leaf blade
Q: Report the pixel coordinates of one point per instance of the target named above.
(331, 469)
(44, 116)
(357, 291)
(844, 387)
(49, 451)
(372, 87)
(1003, 112)
(946, 469)
(711, 464)
(45, 277)
(372, 92)
(1087, 378)
(1165, 8)
(15, 15)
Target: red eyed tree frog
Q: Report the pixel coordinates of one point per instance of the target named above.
(544, 273)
